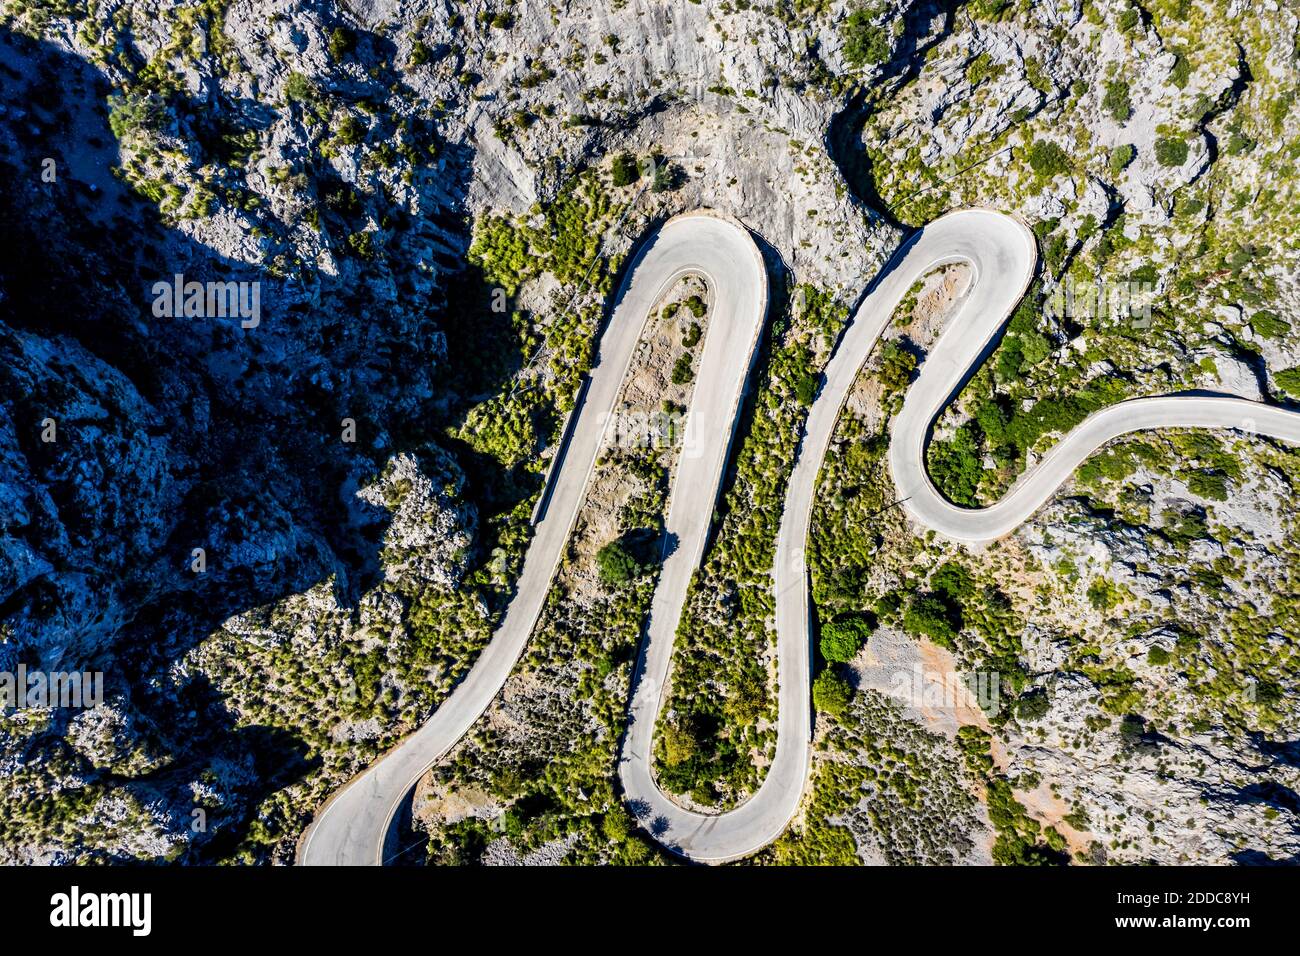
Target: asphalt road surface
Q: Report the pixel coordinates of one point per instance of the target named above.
(352, 826)
(1001, 254)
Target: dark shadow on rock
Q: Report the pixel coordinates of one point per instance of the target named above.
(844, 133)
(1272, 794)
(1260, 858)
(1285, 752)
(183, 433)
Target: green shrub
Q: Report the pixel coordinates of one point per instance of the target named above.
(1268, 693)
(864, 42)
(420, 54)
(982, 68)
(625, 170)
(615, 826)
(843, 637)
(1289, 381)
(666, 176)
(888, 604)
(1182, 71)
(1047, 159)
(679, 744)
(1033, 706)
(1116, 102)
(1157, 655)
(1181, 530)
(896, 367)
(617, 565)
(299, 89)
(1209, 484)
(988, 9)
(831, 693)
(1238, 143)
(1171, 152)
(954, 582)
(342, 42)
(929, 617)
(351, 131)
(1103, 595)
(1120, 157)
(135, 111)
(1132, 728)
(683, 371)
(805, 388)
(362, 244)
(955, 465)
(993, 418)
(1269, 324)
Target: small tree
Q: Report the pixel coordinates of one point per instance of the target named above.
(831, 693)
(843, 637)
(616, 564)
(1120, 157)
(1116, 101)
(342, 42)
(625, 170)
(1047, 159)
(1171, 152)
(864, 42)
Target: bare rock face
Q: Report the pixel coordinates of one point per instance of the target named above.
(179, 493)
(427, 536)
(87, 412)
(1164, 759)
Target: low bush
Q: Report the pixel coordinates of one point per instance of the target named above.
(843, 637)
(831, 693)
(617, 565)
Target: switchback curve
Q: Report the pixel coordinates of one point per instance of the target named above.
(1001, 254)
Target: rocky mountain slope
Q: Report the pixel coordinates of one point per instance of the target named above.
(435, 199)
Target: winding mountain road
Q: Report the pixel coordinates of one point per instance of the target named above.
(351, 828)
(1001, 254)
